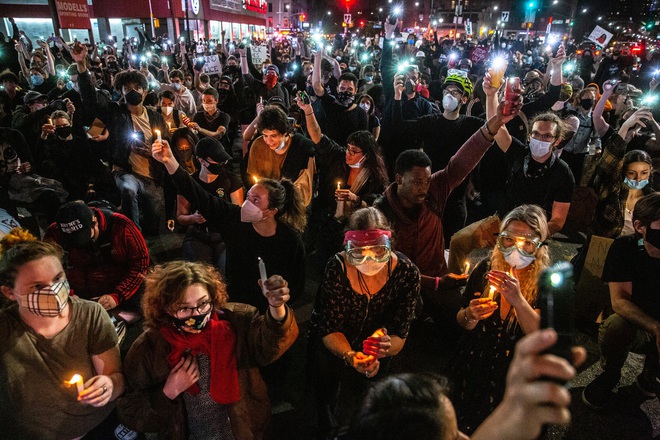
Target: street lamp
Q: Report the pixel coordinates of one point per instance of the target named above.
(329, 13)
(495, 8)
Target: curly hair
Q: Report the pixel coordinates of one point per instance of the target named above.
(535, 218)
(20, 247)
(166, 285)
(274, 118)
(130, 77)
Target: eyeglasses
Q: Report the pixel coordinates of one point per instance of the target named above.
(543, 137)
(526, 244)
(455, 93)
(187, 312)
(354, 151)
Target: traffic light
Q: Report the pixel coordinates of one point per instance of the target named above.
(303, 17)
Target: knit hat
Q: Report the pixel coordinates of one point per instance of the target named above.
(274, 68)
(75, 221)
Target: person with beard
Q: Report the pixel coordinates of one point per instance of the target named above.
(107, 257)
(141, 181)
(64, 155)
(10, 96)
(269, 85)
(212, 122)
(343, 115)
(203, 241)
(632, 270)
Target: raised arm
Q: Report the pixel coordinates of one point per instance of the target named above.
(313, 128)
(600, 125)
(503, 138)
(317, 83)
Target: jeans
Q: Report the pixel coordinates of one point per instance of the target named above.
(617, 337)
(142, 200)
(478, 235)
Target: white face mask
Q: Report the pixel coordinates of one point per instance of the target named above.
(359, 163)
(449, 103)
(539, 148)
(208, 108)
(168, 110)
(279, 149)
(250, 213)
(365, 107)
(370, 268)
(518, 260)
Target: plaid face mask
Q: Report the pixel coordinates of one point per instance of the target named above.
(48, 301)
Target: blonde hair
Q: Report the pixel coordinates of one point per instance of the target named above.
(167, 283)
(534, 217)
(20, 247)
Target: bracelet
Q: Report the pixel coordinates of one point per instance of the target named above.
(348, 356)
(489, 132)
(437, 283)
(485, 137)
(309, 114)
(466, 317)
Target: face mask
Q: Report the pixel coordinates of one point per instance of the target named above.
(368, 78)
(63, 132)
(168, 110)
(503, 45)
(70, 85)
(250, 213)
(411, 42)
(194, 323)
(586, 103)
(48, 301)
(653, 237)
(188, 84)
(37, 80)
(539, 148)
(636, 184)
(133, 97)
(112, 65)
(366, 107)
(359, 163)
(370, 268)
(345, 98)
(176, 86)
(351, 68)
(271, 81)
(209, 108)
(514, 258)
(449, 103)
(213, 168)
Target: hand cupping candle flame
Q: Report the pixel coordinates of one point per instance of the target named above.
(370, 345)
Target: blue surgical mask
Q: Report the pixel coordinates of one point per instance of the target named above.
(368, 78)
(176, 86)
(37, 80)
(636, 184)
(70, 85)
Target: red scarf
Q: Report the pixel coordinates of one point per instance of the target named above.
(218, 341)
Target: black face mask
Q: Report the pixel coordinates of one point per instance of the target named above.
(112, 65)
(586, 103)
(222, 94)
(64, 132)
(345, 98)
(653, 237)
(133, 97)
(232, 70)
(213, 168)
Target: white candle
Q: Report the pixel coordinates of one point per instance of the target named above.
(262, 275)
(491, 292)
(340, 204)
(467, 267)
(158, 138)
(78, 380)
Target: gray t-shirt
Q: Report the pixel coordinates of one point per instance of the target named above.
(35, 402)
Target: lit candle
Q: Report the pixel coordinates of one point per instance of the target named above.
(339, 212)
(78, 380)
(491, 292)
(169, 126)
(262, 274)
(158, 138)
(467, 268)
(256, 179)
(50, 121)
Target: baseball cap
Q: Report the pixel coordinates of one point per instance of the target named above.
(75, 221)
(278, 101)
(32, 96)
(211, 148)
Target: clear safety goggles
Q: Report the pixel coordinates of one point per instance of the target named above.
(378, 250)
(526, 244)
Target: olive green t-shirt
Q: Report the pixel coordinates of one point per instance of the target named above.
(35, 402)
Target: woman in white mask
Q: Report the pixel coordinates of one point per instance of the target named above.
(497, 310)
(173, 117)
(363, 311)
(47, 337)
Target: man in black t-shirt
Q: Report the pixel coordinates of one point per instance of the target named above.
(632, 269)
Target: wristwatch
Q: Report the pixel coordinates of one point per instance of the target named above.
(348, 356)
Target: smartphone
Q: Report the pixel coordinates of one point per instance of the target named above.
(410, 87)
(608, 85)
(304, 97)
(199, 63)
(511, 92)
(556, 300)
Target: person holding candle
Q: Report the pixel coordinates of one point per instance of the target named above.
(173, 117)
(46, 337)
(362, 314)
(495, 323)
(194, 372)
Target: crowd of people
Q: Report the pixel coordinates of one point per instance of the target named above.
(375, 165)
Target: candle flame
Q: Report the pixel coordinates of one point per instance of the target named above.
(467, 267)
(256, 179)
(339, 184)
(75, 379)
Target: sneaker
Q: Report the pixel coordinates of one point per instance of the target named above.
(597, 394)
(647, 386)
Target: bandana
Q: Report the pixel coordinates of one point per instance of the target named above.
(366, 236)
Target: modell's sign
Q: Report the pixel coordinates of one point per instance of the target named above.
(73, 14)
